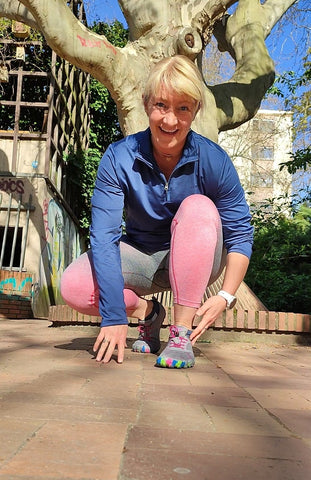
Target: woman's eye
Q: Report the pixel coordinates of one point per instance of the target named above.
(160, 105)
(184, 108)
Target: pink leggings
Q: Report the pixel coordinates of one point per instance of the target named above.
(194, 261)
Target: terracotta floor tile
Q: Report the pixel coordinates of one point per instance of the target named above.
(297, 421)
(14, 434)
(165, 465)
(266, 382)
(179, 416)
(284, 399)
(64, 450)
(248, 421)
(228, 444)
(57, 412)
(64, 416)
(221, 396)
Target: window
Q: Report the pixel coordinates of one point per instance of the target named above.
(260, 152)
(263, 125)
(8, 247)
(262, 180)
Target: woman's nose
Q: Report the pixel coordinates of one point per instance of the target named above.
(170, 118)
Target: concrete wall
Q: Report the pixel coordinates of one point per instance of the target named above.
(30, 156)
(53, 239)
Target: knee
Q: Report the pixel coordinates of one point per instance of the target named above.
(76, 278)
(198, 207)
(69, 283)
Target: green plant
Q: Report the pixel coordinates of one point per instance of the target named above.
(280, 267)
(81, 170)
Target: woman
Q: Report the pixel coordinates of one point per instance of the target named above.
(185, 218)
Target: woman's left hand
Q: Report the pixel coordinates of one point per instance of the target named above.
(209, 311)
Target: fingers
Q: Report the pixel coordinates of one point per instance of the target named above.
(110, 338)
(197, 332)
(121, 353)
(98, 341)
(109, 351)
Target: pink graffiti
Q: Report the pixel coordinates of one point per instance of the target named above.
(45, 210)
(96, 44)
(12, 186)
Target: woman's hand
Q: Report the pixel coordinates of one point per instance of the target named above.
(210, 311)
(108, 339)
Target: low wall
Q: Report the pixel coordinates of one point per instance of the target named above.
(239, 320)
(15, 294)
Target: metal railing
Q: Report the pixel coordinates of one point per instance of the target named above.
(15, 210)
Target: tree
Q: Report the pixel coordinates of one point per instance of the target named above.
(104, 129)
(163, 28)
(280, 268)
(294, 88)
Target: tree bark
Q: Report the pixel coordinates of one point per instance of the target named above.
(160, 28)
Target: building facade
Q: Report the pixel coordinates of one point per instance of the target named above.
(43, 116)
(257, 149)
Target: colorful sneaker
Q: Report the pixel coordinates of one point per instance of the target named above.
(178, 353)
(149, 330)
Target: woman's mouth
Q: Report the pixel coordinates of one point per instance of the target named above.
(168, 132)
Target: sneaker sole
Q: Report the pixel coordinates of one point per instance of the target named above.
(145, 348)
(170, 363)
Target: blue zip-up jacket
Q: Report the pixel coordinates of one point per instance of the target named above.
(128, 178)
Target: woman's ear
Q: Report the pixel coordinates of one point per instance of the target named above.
(145, 102)
(198, 108)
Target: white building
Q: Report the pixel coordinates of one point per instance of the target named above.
(257, 148)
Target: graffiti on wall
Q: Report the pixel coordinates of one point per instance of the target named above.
(61, 247)
(10, 185)
(11, 285)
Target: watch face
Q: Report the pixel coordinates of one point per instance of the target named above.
(232, 303)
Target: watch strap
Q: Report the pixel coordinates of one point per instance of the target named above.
(230, 299)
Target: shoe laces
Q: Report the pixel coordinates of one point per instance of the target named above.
(176, 340)
(144, 332)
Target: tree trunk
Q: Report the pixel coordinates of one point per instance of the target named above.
(161, 28)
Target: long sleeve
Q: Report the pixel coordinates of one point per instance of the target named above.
(106, 230)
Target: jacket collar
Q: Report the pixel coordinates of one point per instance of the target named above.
(144, 149)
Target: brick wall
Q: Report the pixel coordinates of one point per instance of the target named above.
(15, 294)
(238, 320)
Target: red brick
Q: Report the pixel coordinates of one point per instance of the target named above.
(306, 322)
(251, 320)
(272, 321)
(262, 320)
(229, 318)
(240, 317)
(219, 321)
(282, 326)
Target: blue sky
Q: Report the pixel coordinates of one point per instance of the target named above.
(104, 9)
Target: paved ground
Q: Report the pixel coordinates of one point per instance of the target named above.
(243, 412)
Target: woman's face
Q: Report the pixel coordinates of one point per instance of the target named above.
(170, 117)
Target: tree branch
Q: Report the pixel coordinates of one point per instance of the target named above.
(245, 31)
(14, 10)
(71, 40)
(274, 11)
(208, 13)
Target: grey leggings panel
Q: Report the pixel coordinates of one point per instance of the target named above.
(148, 273)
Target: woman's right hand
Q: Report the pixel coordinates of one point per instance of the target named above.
(107, 340)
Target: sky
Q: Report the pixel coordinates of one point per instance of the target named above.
(104, 9)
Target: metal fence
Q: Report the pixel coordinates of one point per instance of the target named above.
(13, 239)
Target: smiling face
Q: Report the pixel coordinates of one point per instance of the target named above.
(170, 117)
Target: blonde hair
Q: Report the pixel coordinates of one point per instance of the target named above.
(178, 74)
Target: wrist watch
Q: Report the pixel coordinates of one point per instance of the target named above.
(230, 299)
